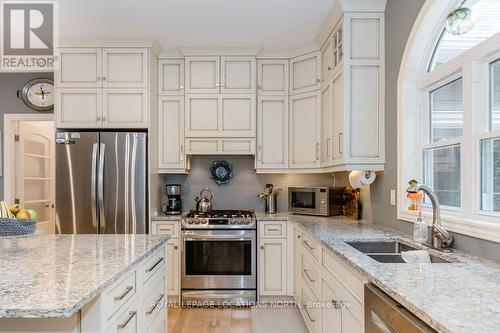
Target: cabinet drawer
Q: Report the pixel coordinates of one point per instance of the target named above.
(311, 274)
(311, 246)
(153, 264)
(309, 309)
(166, 228)
(159, 324)
(126, 321)
(154, 298)
(119, 293)
(345, 275)
(272, 229)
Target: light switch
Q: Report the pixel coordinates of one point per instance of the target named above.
(393, 197)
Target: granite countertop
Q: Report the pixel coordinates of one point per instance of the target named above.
(450, 297)
(54, 276)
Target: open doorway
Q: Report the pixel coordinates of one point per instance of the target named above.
(29, 168)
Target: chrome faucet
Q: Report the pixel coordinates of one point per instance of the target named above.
(441, 238)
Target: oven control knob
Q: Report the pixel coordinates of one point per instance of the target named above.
(197, 221)
(189, 221)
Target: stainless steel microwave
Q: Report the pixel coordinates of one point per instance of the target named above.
(316, 200)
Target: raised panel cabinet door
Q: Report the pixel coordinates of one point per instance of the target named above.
(272, 145)
(272, 77)
(202, 115)
(297, 270)
(78, 108)
(79, 68)
(305, 73)
(326, 126)
(338, 118)
(202, 75)
(125, 108)
(331, 312)
(237, 115)
(171, 153)
(125, 68)
(173, 267)
(304, 128)
(237, 75)
(272, 267)
(171, 77)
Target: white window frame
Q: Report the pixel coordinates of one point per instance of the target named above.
(414, 86)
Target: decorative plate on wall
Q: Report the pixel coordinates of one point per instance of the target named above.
(222, 172)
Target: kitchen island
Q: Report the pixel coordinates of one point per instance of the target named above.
(83, 283)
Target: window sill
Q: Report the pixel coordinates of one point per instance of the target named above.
(466, 226)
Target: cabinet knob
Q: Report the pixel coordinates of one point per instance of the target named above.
(104, 78)
(262, 247)
(176, 247)
(318, 80)
(259, 86)
(98, 78)
(329, 68)
(181, 87)
(98, 118)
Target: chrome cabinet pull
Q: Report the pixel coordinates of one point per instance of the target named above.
(154, 265)
(328, 147)
(182, 153)
(273, 229)
(125, 293)
(104, 78)
(155, 304)
(308, 276)
(131, 315)
(307, 245)
(308, 315)
(341, 137)
(317, 151)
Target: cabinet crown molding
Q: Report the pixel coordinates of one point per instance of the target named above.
(194, 51)
(152, 44)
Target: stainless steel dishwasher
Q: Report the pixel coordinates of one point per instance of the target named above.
(384, 315)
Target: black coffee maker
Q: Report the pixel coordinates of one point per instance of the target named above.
(174, 202)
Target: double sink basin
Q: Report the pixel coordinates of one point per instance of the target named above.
(390, 251)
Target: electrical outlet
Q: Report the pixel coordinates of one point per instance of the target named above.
(393, 197)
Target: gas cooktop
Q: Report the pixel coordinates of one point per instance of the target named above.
(219, 219)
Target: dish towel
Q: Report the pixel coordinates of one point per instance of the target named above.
(416, 257)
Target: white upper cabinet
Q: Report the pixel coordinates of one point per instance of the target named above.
(326, 126)
(229, 115)
(79, 68)
(237, 75)
(102, 87)
(326, 61)
(125, 68)
(272, 141)
(272, 77)
(171, 77)
(171, 154)
(304, 130)
(214, 75)
(125, 108)
(305, 73)
(78, 108)
(202, 75)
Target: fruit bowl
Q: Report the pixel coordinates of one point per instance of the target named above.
(15, 227)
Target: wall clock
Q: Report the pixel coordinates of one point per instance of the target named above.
(38, 94)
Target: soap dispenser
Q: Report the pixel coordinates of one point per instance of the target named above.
(420, 229)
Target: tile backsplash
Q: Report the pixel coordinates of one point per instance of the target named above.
(242, 190)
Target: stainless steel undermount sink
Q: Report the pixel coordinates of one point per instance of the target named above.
(388, 251)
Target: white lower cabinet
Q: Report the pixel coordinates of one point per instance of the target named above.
(173, 255)
(330, 293)
(272, 267)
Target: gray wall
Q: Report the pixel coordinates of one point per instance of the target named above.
(399, 19)
(241, 192)
(9, 103)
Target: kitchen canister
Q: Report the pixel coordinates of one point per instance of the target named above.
(271, 203)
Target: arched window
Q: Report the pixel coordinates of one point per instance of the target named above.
(449, 114)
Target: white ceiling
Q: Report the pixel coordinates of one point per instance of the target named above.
(268, 24)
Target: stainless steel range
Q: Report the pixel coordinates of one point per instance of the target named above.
(219, 264)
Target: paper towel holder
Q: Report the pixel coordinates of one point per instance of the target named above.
(358, 178)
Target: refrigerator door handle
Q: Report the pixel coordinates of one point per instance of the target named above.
(100, 187)
(93, 184)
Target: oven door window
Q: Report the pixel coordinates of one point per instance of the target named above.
(214, 257)
(304, 200)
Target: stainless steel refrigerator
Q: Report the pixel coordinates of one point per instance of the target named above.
(101, 182)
